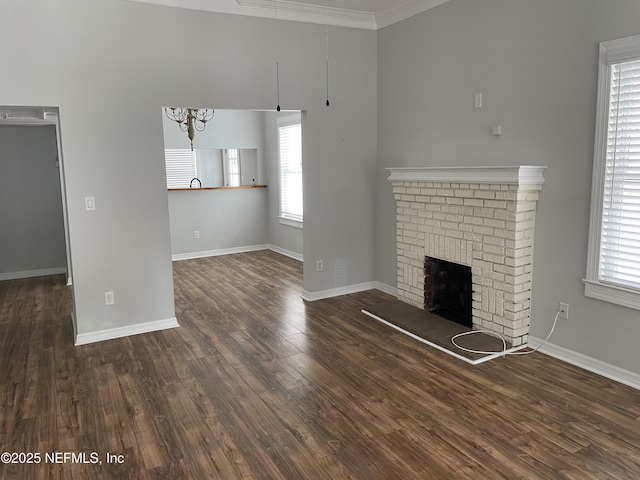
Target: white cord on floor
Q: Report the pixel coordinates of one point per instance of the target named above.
(504, 342)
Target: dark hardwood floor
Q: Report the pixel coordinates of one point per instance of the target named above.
(258, 384)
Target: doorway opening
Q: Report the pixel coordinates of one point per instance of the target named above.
(33, 183)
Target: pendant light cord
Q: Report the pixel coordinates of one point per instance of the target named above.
(326, 20)
(278, 84)
(275, 9)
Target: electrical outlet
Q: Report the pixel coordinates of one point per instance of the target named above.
(564, 311)
(319, 266)
(196, 234)
(109, 299)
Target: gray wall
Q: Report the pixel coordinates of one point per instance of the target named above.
(31, 221)
(225, 219)
(536, 64)
(110, 67)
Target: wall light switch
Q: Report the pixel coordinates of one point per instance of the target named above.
(496, 130)
(89, 203)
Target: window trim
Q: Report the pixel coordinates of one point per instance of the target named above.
(290, 222)
(611, 52)
(283, 121)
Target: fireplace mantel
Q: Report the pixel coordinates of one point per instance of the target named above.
(506, 175)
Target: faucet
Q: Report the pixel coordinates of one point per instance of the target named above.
(191, 182)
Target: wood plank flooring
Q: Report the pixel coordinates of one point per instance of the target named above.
(257, 384)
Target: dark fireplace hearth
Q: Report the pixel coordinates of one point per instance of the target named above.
(448, 290)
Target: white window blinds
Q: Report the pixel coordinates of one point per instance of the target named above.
(620, 235)
(290, 149)
(181, 167)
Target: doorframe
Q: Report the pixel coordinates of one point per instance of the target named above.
(27, 116)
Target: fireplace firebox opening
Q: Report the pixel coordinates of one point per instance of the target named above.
(448, 290)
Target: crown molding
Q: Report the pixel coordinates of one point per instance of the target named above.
(405, 10)
(304, 12)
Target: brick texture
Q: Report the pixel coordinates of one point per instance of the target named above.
(487, 227)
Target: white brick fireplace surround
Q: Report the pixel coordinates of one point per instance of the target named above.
(482, 217)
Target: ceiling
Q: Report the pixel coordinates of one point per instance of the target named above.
(363, 14)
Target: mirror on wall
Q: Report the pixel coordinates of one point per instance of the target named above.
(212, 167)
(216, 160)
(239, 166)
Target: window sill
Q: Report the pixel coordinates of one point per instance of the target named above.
(290, 222)
(609, 293)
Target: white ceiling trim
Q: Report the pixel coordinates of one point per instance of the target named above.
(304, 12)
(405, 10)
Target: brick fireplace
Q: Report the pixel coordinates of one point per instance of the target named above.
(482, 217)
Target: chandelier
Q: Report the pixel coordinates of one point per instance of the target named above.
(190, 119)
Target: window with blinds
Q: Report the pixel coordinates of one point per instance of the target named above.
(620, 244)
(290, 161)
(613, 263)
(180, 166)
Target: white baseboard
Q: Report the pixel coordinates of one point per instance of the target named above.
(43, 272)
(286, 253)
(218, 252)
(383, 287)
(336, 292)
(229, 251)
(111, 333)
(588, 363)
